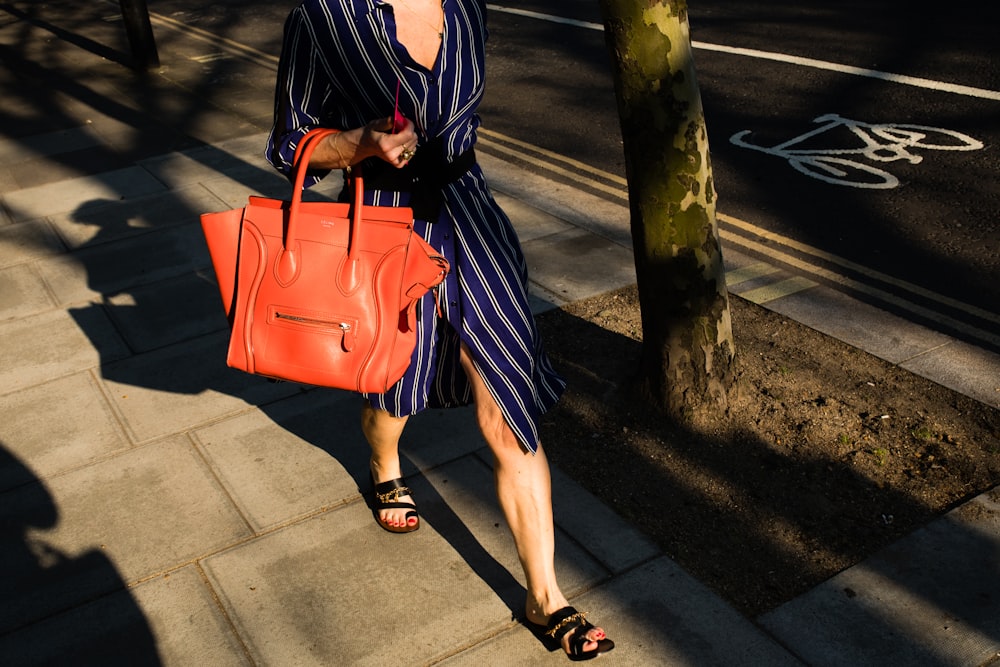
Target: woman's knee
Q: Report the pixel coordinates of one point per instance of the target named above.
(495, 429)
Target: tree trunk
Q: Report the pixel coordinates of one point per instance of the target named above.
(687, 354)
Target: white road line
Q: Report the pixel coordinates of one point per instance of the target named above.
(904, 79)
(917, 82)
(546, 17)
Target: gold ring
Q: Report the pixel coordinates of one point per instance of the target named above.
(407, 155)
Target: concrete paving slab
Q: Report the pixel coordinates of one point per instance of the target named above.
(928, 599)
(541, 300)
(25, 149)
(105, 221)
(302, 455)
(182, 169)
(748, 272)
(576, 264)
(961, 367)
(435, 437)
(52, 344)
(169, 311)
(337, 590)
(597, 215)
(775, 289)
(657, 615)
(68, 195)
(247, 147)
(871, 329)
(170, 620)
(184, 386)
(531, 223)
(23, 293)
(235, 192)
(41, 446)
(186, 621)
(250, 150)
(109, 268)
(68, 165)
(109, 631)
(144, 511)
(616, 544)
(25, 241)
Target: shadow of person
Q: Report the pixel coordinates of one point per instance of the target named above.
(102, 623)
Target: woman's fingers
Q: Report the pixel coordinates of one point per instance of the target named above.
(401, 146)
(395, 148)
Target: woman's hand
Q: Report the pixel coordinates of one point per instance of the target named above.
(341, 150)
(396, 149)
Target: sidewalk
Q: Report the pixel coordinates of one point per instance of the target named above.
(160, 508)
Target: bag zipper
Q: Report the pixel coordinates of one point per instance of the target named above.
(344, 326)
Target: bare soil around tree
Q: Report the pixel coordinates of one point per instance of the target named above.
(827, 455)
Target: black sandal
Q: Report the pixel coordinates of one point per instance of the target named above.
(387, 497)
(568, 620)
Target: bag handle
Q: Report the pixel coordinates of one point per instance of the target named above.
(300, 164)
(287, 268)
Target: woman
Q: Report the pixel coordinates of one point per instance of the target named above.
(401, 80)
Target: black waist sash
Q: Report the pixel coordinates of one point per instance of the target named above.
(423, 177)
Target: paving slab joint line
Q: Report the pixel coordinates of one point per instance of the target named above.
(474, 642)
(254, 535)
(200, 451)
(221, 608)
(777, 640)
(923, 353)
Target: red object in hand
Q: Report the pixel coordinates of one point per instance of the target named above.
(398, 121)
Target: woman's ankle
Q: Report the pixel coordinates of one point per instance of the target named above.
(540, 607)
(384, 469)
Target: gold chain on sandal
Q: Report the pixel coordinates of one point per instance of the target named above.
(578, 616)
(393, 496)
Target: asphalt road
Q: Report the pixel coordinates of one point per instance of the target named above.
(910, 205)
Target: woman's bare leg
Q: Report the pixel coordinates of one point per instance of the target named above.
(524, 490)
(383, 431)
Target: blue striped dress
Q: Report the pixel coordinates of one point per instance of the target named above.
(339, 68)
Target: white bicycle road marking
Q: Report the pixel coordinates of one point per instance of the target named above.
(874, 142)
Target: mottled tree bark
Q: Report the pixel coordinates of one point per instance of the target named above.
(688, 354)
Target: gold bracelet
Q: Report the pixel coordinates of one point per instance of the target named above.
(347, 164)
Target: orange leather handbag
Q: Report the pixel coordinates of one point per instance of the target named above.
(318, 292)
